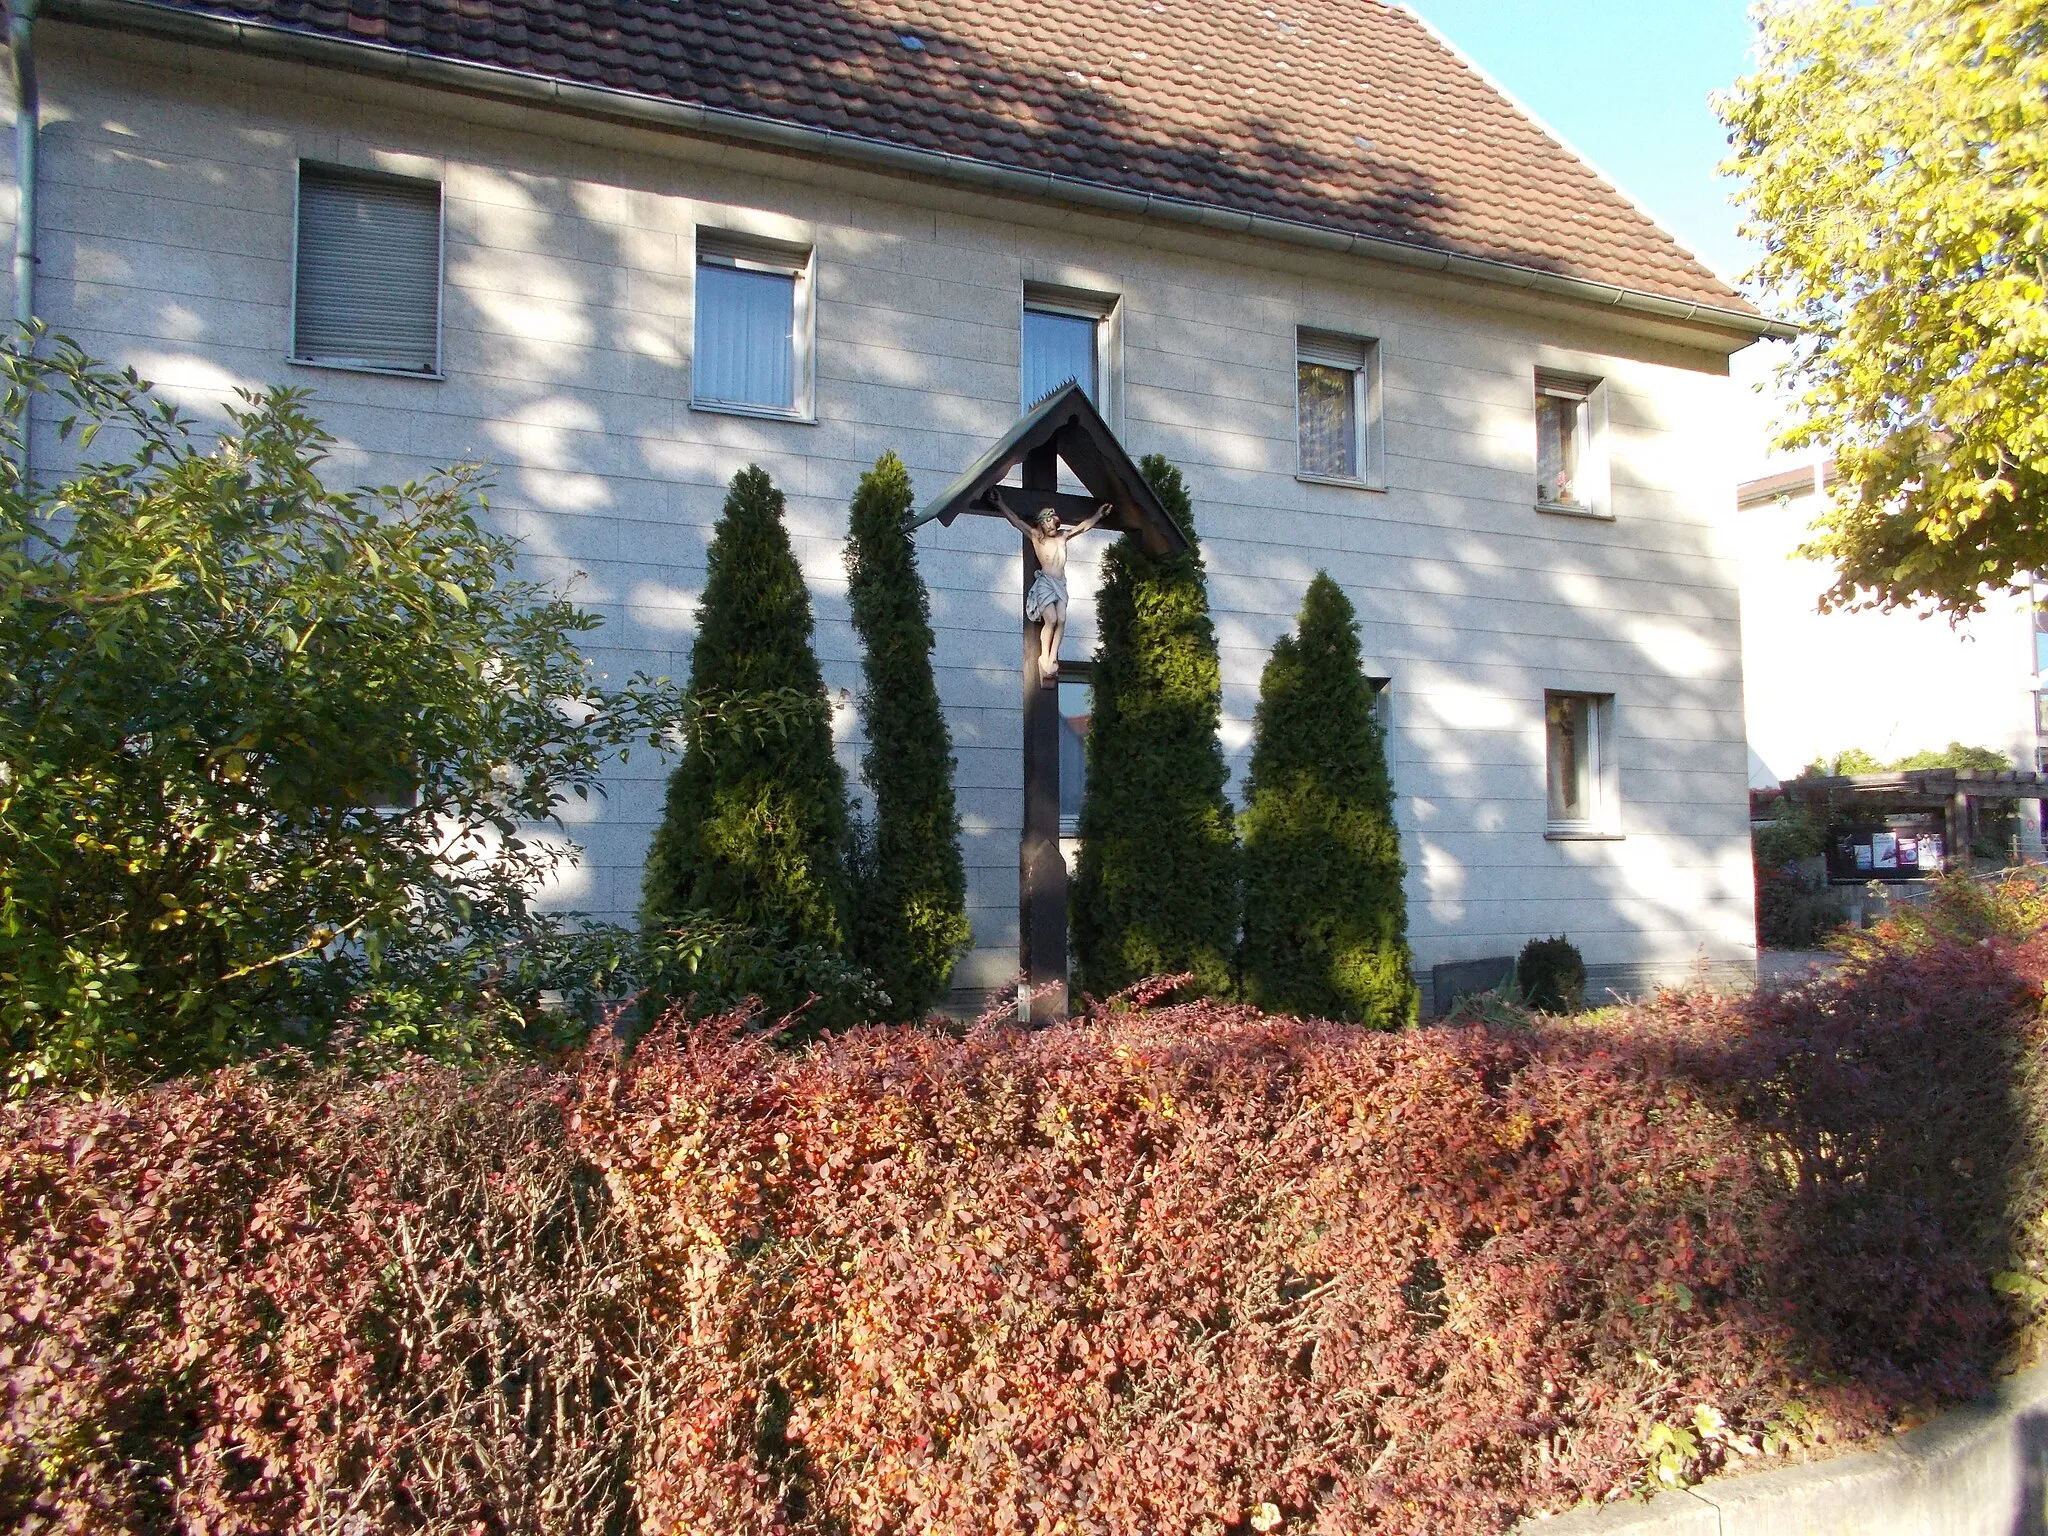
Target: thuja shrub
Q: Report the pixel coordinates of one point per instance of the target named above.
(755, 829)
(258, 1306)
(1156, 891)
(910, 885)
(1325, 918)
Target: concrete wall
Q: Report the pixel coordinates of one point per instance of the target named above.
(167, 241)
(1890, 683)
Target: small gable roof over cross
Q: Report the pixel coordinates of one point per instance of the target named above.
(1067, 422)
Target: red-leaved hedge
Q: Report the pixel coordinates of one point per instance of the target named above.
(1184, 1269)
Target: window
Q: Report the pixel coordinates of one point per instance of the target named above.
(1337, 407)
(1383, 712)
(1571, 464)
(753, 346)
(366, 285)
(2041, 629)
(1077, 708)
(1067, 335)
(1584, 785)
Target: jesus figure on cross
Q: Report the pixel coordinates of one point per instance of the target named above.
(1046, 603)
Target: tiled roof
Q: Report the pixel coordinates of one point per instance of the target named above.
(1347, 114)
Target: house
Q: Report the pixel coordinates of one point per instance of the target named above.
(1387, 325)
(1890, 683)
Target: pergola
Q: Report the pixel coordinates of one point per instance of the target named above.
(1955, 792)
(1063, 428)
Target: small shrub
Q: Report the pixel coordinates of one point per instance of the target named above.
(1551, 975)
(703, 967)
(267, 748)
(1793, 912)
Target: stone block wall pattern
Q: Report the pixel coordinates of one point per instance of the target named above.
(566, 357)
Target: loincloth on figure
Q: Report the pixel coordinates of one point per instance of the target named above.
(1045, 591)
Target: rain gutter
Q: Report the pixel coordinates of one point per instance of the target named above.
(21, 62)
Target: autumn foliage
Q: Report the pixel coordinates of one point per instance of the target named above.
(1189, 1269)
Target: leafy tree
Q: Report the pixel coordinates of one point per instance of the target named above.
(1897, 165)
(910, 919)
(1156, 893)
(755, 833)
(1325, 920)
(1954, 755)
(267, 749)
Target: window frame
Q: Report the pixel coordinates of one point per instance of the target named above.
(1383, 713)
(754, 253)
(1360, 356)
(1083, 673)
(1594, 469)
(369, 173)
(1605, 824)
(1106, 311)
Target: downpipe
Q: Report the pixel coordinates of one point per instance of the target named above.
(21, 58)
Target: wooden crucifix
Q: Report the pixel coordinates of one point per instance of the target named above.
(1064, 428)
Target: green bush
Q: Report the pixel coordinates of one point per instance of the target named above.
(1551, 975)
(1157, 889)
(755, 832)
(910, 888)
(266, 748)
(1325, 919)
(705, 966)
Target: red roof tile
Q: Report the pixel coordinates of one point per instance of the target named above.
(1347, 114)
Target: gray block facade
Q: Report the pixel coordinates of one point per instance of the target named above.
(168, 199)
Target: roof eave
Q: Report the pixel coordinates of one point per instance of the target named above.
(633, 107)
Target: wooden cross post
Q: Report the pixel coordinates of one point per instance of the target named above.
(1041, 871)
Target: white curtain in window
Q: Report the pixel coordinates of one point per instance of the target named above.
(1058, 348)
(746, 327)
(1572, 763)
(1558, 429)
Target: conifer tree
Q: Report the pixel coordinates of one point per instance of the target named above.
(1156, 892)
(756, 827)
(1325, 920)
(910, 888)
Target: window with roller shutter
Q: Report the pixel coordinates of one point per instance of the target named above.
(367, 275)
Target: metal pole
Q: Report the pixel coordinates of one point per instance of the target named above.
(21, 16)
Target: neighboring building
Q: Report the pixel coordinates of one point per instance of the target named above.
(1385, 323)
(1892, 683)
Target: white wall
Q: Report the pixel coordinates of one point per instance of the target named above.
(168, 217)
(1890, 683)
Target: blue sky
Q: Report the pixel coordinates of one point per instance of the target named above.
(1626, 83)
